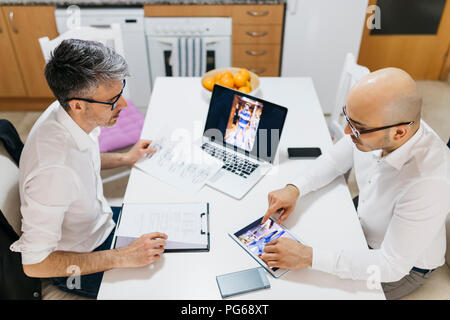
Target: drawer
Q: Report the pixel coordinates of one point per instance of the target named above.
(262, 69)
(256, 52)
(257, 34)
(259, 14)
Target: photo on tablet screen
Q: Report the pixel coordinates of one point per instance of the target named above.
(243, 122)
(256, 235)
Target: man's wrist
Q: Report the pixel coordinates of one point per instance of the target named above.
(126, 159)
(309, 256)
(117, 258)
(293, 188)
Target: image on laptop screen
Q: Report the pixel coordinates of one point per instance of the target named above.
(243, 122)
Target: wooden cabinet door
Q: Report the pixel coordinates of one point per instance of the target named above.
(26, 24)
(421, 55)
(11, 82)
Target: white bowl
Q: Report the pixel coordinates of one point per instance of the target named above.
(254, 81)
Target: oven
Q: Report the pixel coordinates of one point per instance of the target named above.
(164, 36)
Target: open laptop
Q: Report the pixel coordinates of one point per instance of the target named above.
(244, 132)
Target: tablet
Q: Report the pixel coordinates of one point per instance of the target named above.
(254, 237)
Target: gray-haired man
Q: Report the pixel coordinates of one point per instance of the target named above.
(67, 224)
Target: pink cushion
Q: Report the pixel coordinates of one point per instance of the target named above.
(126, 132)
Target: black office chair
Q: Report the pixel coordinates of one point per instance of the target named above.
(14, 284)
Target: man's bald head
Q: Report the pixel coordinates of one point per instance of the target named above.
(386, 96)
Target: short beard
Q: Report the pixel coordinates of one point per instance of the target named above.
(97, 121)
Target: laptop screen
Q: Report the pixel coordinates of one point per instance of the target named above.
(245, 123)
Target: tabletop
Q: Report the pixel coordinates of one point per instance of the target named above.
(326, 216)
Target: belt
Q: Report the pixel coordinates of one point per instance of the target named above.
(424, 271)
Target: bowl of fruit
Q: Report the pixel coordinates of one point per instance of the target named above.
(235, 78)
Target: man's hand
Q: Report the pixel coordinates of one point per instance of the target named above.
(287, 253)
(139, 150)
(282, 200)
(143, 251)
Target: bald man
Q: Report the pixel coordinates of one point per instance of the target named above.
(403, 173)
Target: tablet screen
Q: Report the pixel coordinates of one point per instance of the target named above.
(256, 235)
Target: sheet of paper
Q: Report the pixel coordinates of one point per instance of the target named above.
(180, 164)
(181, 222)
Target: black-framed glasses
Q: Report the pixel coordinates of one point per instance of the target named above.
(357, 132)
(112, 104)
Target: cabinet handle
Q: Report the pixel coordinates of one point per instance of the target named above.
(256, 53)
(257, 34)
(11, 22)
(101, 26)
(257, 13)
(258, 71)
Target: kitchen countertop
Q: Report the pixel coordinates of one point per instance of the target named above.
(132, 2)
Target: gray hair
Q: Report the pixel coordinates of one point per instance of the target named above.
(76, 67)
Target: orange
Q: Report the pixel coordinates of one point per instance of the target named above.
(244, 89)
(239, 80)
(247, 84)
(217, 77)
(208, 83)
(226, 74)
(226, 82)
(245, 73)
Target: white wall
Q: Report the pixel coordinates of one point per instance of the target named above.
(318, 34)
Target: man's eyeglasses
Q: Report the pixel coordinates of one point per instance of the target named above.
(357, 132)
(112, 104)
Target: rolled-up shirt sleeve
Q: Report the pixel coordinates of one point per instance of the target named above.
(418, 217)
(338, 160)
(45, 197)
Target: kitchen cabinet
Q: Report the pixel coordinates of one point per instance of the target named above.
(257, 31)
(25, 25)
(11, 80)
(259, 28)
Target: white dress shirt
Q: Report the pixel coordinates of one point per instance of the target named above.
(403, 203)
(61, 192)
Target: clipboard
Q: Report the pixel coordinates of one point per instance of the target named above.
(186, 224)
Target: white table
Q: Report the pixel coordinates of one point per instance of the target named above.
(323, 217)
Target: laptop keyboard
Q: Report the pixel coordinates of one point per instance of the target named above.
(233, 163)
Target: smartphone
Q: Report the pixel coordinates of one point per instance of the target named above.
(234, 283)
(294, 153)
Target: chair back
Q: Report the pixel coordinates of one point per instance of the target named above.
(110, 36)
(9, 190)
(447, 227)
(351, 73)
